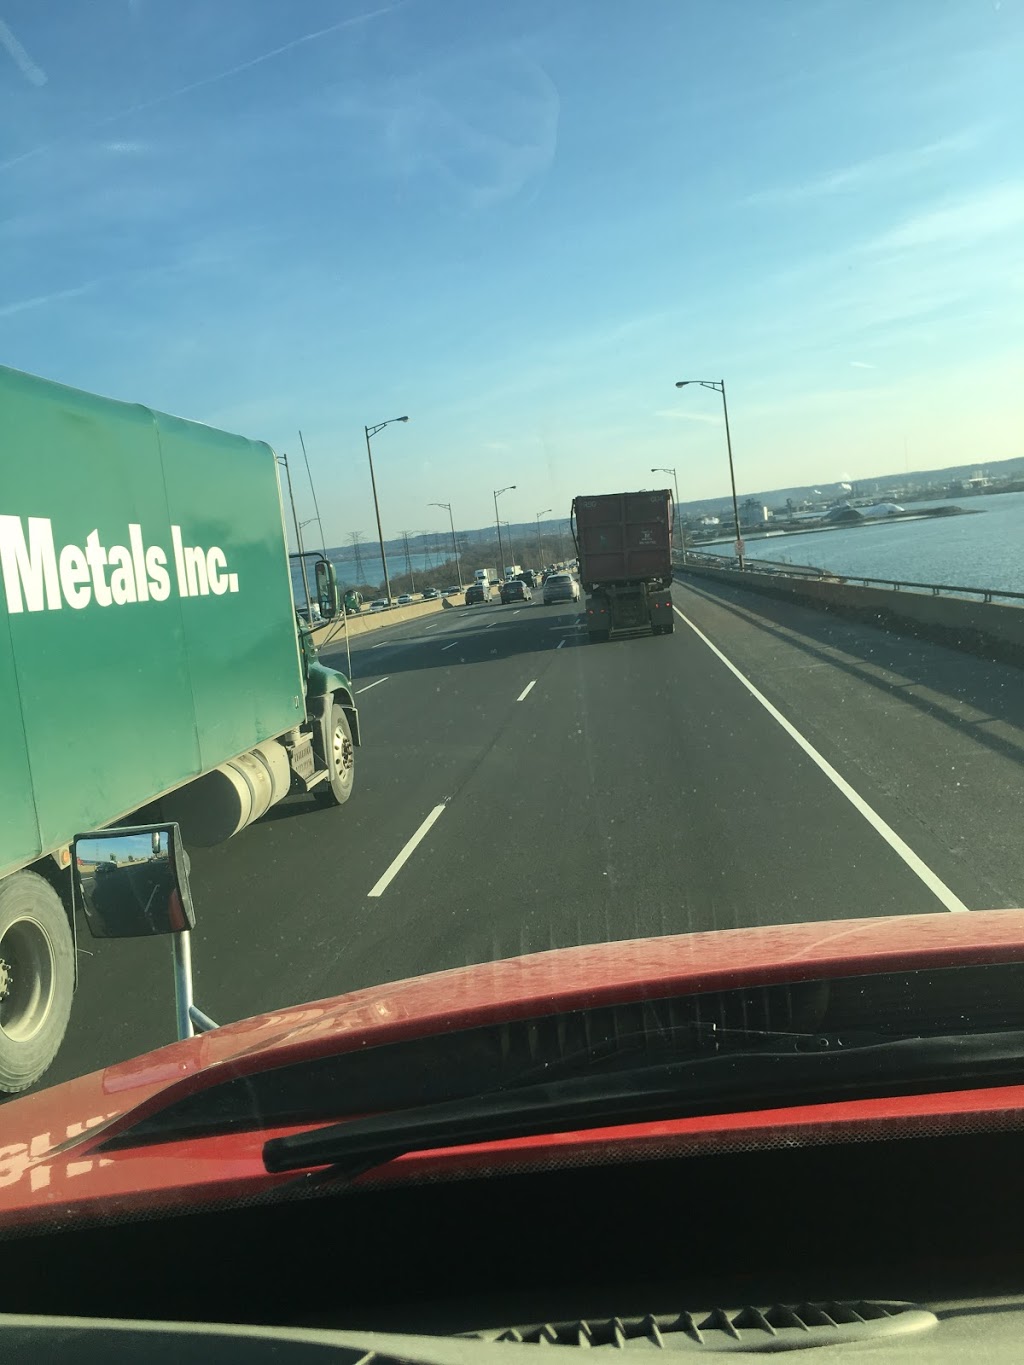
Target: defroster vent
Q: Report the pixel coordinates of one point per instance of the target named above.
(778, 1328)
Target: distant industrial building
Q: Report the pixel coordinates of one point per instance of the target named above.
(844, 511)
(753, 513)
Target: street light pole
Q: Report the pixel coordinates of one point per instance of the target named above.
(665, 469)
(497, 494)
(455, 544)
(372, 431)
(719, 387)
(540, 514)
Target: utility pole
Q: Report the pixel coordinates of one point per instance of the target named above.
(408, 562)
(316, 509)
(283, 459)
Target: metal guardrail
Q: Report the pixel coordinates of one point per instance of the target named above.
(894, 584)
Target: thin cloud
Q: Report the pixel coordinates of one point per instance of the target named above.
(35, 75)
(861, 365)
(681, 415)
(206, 81)
(8, 310)
(124, 148)
(875, 171)
(989, 213)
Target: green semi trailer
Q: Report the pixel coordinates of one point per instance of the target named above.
(151, 653)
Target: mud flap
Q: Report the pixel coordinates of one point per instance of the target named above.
(661, 610)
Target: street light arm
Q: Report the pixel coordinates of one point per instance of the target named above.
(379, 426)
(717, 384)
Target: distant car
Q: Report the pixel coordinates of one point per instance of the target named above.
(379, 605)
(478, 592)
(528, 577)
(561, 587)
(451, 592)
(516, 591)
(430, 594)
(405, 599)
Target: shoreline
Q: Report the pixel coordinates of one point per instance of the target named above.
(750, 539)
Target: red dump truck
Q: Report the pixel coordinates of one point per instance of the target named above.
(624, 544)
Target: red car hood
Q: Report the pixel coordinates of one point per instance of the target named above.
(49, 1163)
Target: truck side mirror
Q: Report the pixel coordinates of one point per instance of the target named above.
(327, 589)
(132, 882)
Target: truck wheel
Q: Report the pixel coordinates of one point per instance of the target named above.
(340, 761)
(37, 979)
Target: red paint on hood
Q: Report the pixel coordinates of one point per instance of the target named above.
(47, 1138)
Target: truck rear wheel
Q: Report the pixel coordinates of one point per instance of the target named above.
(37, 979)
(340, 755)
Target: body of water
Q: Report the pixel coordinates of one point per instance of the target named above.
(984, 549)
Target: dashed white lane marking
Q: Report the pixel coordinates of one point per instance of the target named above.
(379, 887)
(527, 690)
(932, 881)
(451, 646)
(369, 685)
(560, 644)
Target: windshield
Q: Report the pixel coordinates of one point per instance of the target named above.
(288, 293)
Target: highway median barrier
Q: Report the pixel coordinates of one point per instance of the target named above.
(991, 630)
(366, 621)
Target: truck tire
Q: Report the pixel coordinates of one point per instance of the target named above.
(340, 755)
(37, 979)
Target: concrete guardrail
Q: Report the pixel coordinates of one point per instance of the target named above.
(991, 630)
(366, 621)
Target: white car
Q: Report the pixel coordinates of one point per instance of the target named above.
(405, 599)
(379, 605)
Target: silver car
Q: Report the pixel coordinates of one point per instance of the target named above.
(561, 587)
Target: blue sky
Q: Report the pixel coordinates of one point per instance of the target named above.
(520, 223)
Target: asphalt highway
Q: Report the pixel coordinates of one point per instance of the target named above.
(520, 789)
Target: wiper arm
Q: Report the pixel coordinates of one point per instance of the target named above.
(816, 1067)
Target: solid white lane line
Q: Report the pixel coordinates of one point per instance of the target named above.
(920, 869)
(433, 627)
(560, 644)
(527, 690)
(382, 885)
(451, 646)
(369, 685)
(381, 645)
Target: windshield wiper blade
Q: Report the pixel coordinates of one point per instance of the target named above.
(768, 1077)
